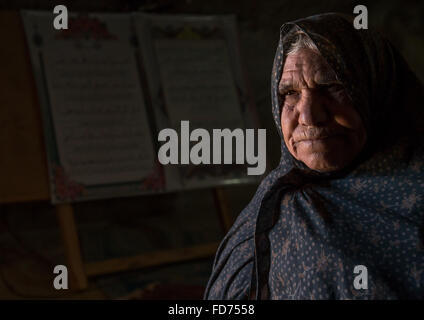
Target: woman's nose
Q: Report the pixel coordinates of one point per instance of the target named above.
(312, 111)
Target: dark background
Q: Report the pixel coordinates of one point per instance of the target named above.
(30, 243)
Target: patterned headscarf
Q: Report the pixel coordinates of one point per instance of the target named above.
(304, 232)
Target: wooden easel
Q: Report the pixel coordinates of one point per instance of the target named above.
(23, 170)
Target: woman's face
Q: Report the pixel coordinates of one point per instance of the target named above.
(320, 126)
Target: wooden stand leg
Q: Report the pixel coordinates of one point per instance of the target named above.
(223, 210)
(65, 214)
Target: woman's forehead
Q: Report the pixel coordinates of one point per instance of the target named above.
(306, 63)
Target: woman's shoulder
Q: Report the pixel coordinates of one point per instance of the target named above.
(233, 265)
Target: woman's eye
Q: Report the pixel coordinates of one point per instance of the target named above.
(290, 92)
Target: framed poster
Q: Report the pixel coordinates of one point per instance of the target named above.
(97, 129)
(194, 74)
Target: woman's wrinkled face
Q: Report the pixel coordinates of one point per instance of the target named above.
(321, 127)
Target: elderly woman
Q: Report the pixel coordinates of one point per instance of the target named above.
(346, 199)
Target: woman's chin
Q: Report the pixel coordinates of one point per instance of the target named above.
(324, 162)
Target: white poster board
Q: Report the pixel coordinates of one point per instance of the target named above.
(99, 139)
(194, 73)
